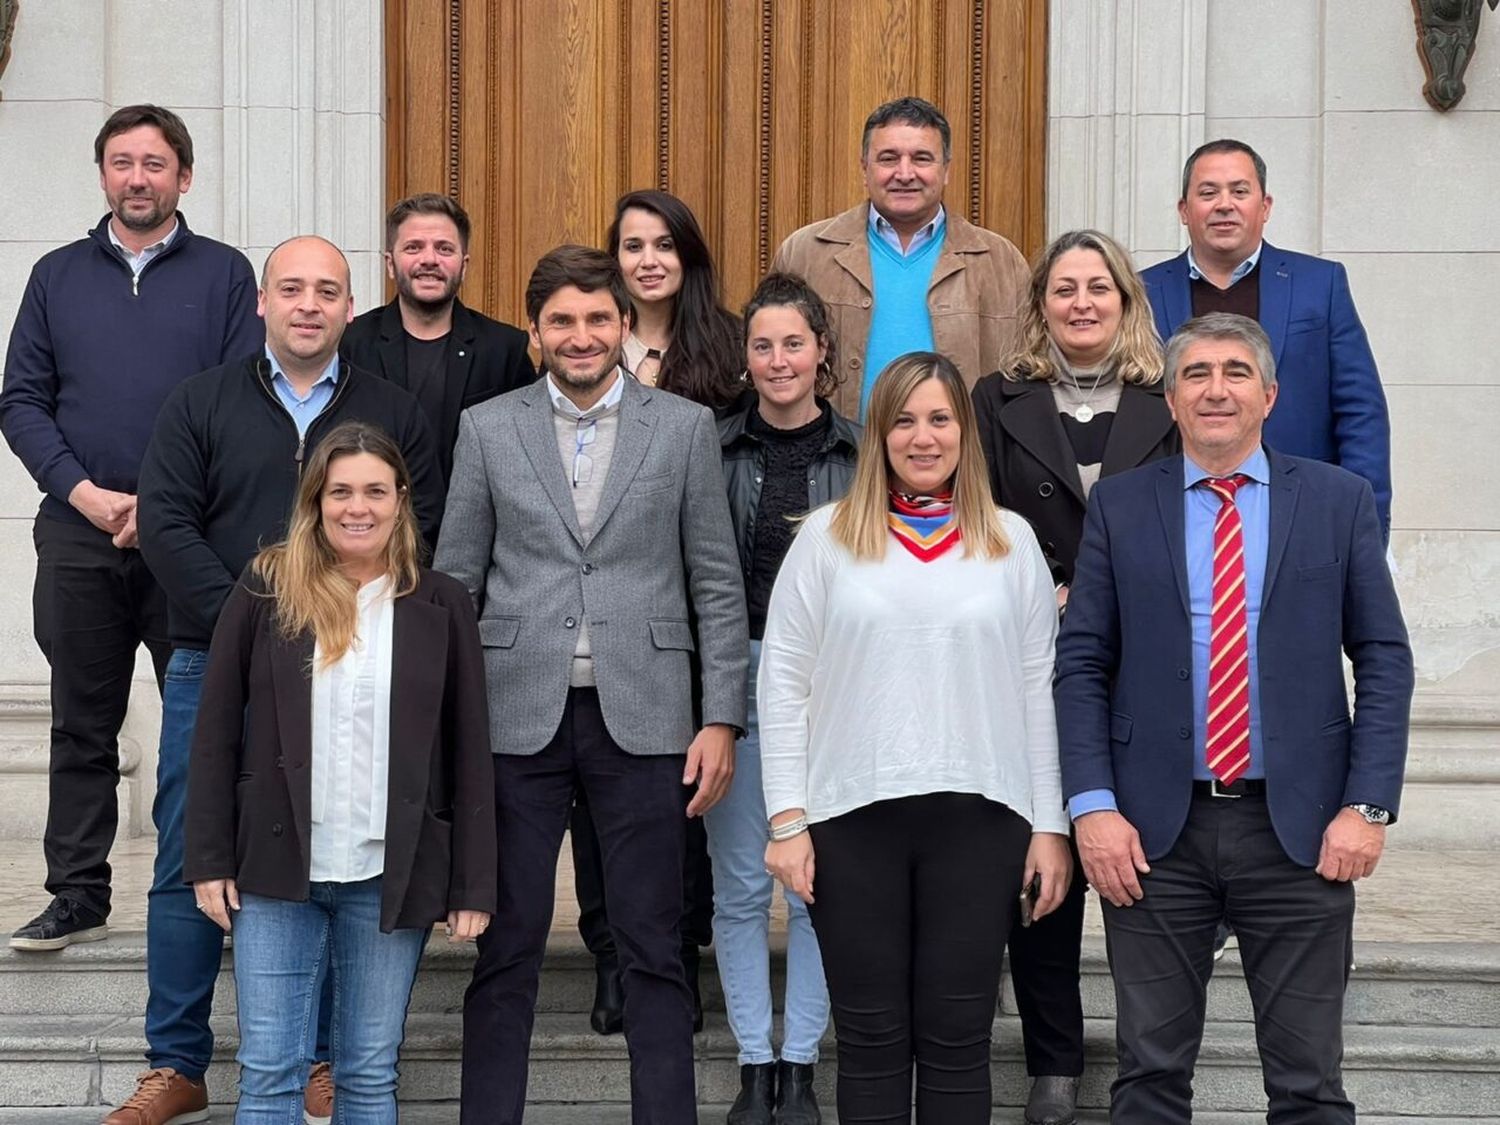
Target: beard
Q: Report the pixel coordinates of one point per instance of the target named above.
(407, 292)
(583, 381)
(149, 219)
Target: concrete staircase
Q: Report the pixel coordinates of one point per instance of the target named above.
(1422, 1042)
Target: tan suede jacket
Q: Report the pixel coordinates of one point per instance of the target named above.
(977, 289)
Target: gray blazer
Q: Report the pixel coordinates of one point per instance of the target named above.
(660, 568)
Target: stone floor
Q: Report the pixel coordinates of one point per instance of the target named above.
(1414, 896)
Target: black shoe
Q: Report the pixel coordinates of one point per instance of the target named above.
(796, 1104)
(63, 923)
(608, 1016)
(691, 960)
(1053, 1101)
(1221, 939)
(757, 1096)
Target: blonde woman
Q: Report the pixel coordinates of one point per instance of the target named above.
(340, 791)
(909, 749)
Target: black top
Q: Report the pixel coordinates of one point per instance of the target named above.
(426, 366)
(783, 496)
(1088, 439)
(1243, 297)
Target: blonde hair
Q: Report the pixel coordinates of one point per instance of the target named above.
(859, 519)
(313, 594)
(1136, 353)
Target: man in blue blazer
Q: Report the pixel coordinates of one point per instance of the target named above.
(1331, 406)
(1212, 767)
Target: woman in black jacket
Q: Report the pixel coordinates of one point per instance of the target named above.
(785, 451)
(1081, 400)
(340, 789)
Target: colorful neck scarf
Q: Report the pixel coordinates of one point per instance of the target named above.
(924, 525)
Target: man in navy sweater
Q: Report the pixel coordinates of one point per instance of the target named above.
(108, 325)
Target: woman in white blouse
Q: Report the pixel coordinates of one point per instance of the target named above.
(340, 791)
(909, 749)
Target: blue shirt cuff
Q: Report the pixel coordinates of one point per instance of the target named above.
(1091, 800)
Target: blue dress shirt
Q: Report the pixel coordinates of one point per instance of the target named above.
(1201, 509)
(882, 229)
(304, 409)
(1236, 275)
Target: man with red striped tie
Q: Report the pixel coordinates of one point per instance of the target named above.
(1212, 766)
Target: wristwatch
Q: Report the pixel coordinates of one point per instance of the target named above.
(1373, 814)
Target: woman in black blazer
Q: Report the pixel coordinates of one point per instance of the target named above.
(1081, 400)
(340, 790)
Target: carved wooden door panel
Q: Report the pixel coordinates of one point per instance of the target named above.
(537, 114)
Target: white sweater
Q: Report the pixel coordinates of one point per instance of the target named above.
(893, 678)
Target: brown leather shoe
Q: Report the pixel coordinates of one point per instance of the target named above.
(317, 1098)
(162, 1097)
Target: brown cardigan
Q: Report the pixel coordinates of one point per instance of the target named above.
(250, 776)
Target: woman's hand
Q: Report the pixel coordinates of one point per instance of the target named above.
(466, 925)
(216, 898)
(1048, 856)
(791, 862)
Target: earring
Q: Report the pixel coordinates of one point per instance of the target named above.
(745, 376)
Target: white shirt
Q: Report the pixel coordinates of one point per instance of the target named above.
(137, 262)
(895, 678)
(351, 746)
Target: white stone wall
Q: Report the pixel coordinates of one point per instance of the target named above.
(285, 101)
(1362, 170)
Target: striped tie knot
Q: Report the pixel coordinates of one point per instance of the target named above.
(1225, 487)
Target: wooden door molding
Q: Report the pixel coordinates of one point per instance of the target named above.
(536, 117)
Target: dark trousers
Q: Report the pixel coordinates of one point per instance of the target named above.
(1044, 959)
(93, 606)
(697, 922)
(1295, 934)
(637, 804)
(913, 901)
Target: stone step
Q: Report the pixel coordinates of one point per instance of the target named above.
(1447, 984)
(446, 1113)
(1423, 1071)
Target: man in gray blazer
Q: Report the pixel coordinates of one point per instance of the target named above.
(588, 519)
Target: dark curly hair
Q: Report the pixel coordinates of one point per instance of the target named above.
(777, 290)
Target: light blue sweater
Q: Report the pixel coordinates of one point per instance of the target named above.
(899, 322)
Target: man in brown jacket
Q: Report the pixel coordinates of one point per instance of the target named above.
(898, 272)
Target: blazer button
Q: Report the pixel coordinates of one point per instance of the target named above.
(1182, 673)
(1184, 732)
(854, 363)
(569, 623)
(866, 303)
(280, 761)
(1049, 548)
(275, 830)
(588, 568)
(1044, 489)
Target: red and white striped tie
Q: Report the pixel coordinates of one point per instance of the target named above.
(1227, 744)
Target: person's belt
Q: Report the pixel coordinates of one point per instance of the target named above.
(1244, 787)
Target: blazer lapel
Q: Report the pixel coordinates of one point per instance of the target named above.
(291, 681)
(855, 257)
(1141, 422)
(1177, 295)
(637, 423)
(393, 345)
(1169, 504)
(1285, 489)
(418, 644)
(1275, 298)
(539, 440)
(458, 365)
(1032, 421)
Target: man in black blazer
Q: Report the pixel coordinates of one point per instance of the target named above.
(1212, 768)
(426, 341)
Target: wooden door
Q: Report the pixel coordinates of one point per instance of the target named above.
(538, 114)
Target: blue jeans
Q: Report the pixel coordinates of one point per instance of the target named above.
(742, 918)
(283, 951)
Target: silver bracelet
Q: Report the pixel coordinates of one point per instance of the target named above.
(788, 830)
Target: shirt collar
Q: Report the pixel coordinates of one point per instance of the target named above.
(568, 408)
(330, 373)
(1257, 467)
(882, 226)
(152, 250)
(1195, 274)
(373, 590)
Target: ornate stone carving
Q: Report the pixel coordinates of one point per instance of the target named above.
(1446, 31)
(7, 25)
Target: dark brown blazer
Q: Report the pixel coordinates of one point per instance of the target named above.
(250, 776)
(1033, 470)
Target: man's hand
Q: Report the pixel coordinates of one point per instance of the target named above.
(106, 510)
(127, 536)
(710, 765)
(1110, 849)
(216, 898)
(1351, 847)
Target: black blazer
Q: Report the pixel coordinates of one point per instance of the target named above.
(485, 358)
(1033, 470)
(250, 775)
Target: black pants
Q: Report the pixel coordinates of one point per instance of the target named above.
(93, 606)
(1044, 961)
(1295, 934)
(637, 803)
(913, 901)
(588, 884)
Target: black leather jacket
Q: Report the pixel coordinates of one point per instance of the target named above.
(745, 465)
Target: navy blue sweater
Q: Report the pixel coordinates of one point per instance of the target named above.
(95, 351)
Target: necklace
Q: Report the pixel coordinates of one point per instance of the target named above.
(1085, 413)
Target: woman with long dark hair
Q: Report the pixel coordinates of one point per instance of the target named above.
(340, 790)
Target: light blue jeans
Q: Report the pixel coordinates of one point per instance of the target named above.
(282, 950)
(742, 919)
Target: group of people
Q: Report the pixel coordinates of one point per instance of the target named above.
(931, 587)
